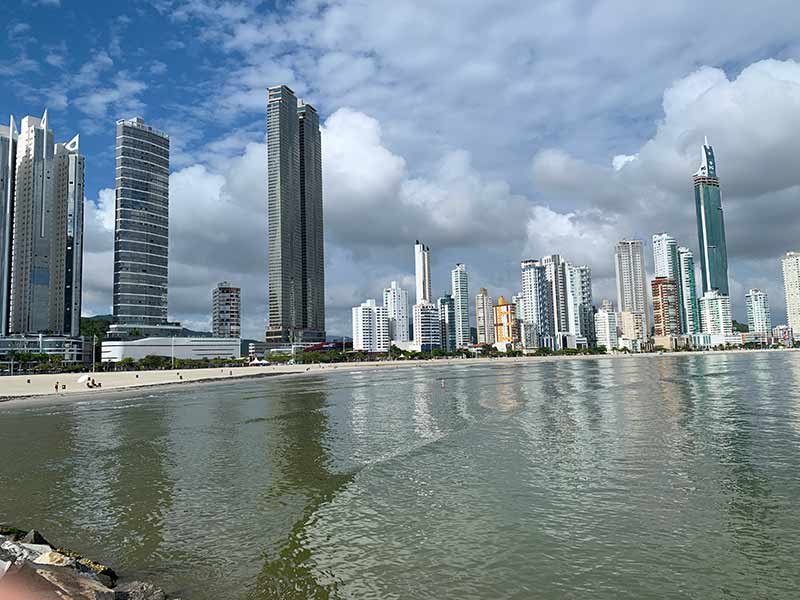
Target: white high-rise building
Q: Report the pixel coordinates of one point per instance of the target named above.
(715, 314)
(665, 256)
(791, 287)
(606, 329)
(580, 313)
(395, 300)
(370, 327)
(556, 275)
(46, 240)
(758, 315)
(484, 316)
(687, 294)
(537, 307)
(422, 266)
(632, 280)
(460, 280)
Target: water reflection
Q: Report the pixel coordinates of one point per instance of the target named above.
(601, 478)
(303, 479)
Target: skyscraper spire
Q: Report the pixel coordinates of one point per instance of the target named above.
(710, 225)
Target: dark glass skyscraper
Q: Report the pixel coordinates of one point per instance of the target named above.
(710, 224)
(294, 207)
(141, 234)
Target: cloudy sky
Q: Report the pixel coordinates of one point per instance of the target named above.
(493, 131)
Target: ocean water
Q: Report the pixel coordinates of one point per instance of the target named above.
(658, 477)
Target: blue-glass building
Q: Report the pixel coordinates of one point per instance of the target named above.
(710, 224)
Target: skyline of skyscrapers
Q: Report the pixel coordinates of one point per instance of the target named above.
(296, 285)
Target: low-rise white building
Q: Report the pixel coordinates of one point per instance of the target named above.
(196, 348)
(715, 314)
(758, 314)
(606, 329)
(370, 327)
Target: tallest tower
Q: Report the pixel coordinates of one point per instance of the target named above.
(296, 294)
(710, 224)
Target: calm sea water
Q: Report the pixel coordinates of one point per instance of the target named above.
(669, 477)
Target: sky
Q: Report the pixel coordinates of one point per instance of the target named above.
(493, 131)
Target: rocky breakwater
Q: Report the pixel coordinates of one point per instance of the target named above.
(31, 567)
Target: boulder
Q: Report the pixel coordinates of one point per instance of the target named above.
(35, 550)
(73, 584)
(137, 590)
(56, 559)
(18, 551)
(34, 537)
(102, 572)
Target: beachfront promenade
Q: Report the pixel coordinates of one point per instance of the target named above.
(17, 386)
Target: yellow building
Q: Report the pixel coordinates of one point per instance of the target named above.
(506, 327)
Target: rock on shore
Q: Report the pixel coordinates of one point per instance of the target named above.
(29, 564)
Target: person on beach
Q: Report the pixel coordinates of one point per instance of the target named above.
(56, 387)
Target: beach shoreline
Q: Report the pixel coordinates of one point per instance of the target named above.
(14, 388)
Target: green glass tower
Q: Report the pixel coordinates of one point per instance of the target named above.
(710, 224)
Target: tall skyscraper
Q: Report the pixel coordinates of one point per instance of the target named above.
(8, 166)
(226, 319)
(579, 302)
(448, 323)
(687, 296)
(537, 310)
(715, 313)
(141, 235)
(484, 316)
(666, 307)
(294, 207)
(758, 315)
(632, 280)
(556, 276)
(370, 327)
(311, 224)
(422, 268)
(427, 329)
(791, 287)
(460, 281)
(710, 224)
(395, 299)
(46, 233)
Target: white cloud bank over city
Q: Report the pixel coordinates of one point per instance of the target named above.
(376, 205)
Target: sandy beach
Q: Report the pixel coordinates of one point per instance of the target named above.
(30, 386)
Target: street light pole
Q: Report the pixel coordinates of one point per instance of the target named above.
(173, 352)
(94, 351)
